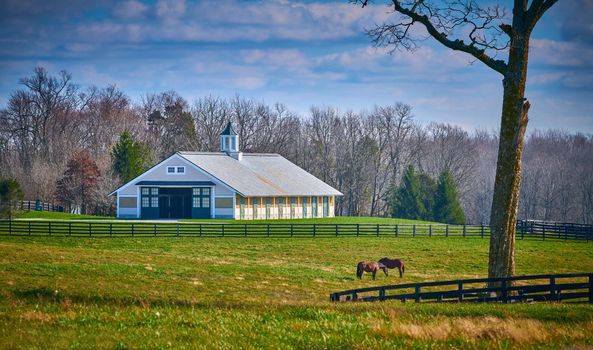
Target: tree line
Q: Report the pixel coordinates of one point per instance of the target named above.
(60, 141)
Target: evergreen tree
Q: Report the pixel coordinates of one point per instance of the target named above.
(428, 188)
(407, 200)
(10, 193)
(129, 158)
(447, 207)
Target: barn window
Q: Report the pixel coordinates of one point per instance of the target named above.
(180, 170)
(304, 207)
(242, 208)
(145, 202)
(170, 170)
(280, 207)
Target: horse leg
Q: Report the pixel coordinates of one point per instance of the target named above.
(374, 274)
(401, 274)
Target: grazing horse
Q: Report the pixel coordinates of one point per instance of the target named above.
(393, 263)
(369, 266)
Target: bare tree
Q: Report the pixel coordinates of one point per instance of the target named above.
(486, 27)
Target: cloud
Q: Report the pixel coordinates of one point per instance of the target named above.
(131, 9)
(249, 83)
(561, 53)
(170, 8)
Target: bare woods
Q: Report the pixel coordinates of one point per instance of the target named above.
(49, 119)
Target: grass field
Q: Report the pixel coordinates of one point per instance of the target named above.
(24, 215)
(267, 293)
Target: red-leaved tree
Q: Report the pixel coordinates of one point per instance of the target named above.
(78, 187)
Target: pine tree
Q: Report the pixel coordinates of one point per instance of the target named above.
(428, 188)
(129, 158)
(447, 207)
(407, 200)
(10, 193)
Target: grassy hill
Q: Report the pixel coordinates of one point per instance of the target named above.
(261, 293)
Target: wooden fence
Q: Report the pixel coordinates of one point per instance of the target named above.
(559, 287)
(108, 228)
(38, 206)
(547, 229)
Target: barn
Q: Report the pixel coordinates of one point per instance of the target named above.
(228, 184)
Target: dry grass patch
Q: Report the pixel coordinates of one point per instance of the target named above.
(518, 330)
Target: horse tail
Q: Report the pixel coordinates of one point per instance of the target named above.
(359, 270)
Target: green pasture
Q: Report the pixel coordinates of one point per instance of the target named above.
(25, 215)
(268, 293)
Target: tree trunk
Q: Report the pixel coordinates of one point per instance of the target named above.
(503, 216)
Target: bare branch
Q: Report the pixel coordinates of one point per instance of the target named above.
(458, 14)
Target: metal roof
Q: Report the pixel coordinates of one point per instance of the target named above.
(258, 174)
(228, 130)
(174, 183)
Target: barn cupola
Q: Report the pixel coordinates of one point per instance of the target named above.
(229, 142)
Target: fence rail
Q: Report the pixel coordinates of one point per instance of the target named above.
(38, 206)
(558, 287)
(99, 228)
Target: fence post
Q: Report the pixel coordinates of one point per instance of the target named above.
(464, 230)
(382, 294)
(10, 227)
(268, 230)
(90, 230)
(177, 230)
(544, 232)
(49, 227)
(221, 229)
(483, 231)
(505, 292)
(396, 230)
(414, 230)
(377, 230)
(132, 230)
(358, 230)
(447, 231)
(524, 228)
(200, 230)
(430, 230)
(70, 229)
(336, 230)
(110, 230)
(460, 291)
(553, 294)
(291, 230)
(245, 230)
(314, 229)
(29, 228)
(591, 287)
(417, 294)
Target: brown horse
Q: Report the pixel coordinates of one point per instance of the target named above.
(369, 266)
(394, 263)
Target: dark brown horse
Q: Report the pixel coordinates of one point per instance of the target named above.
(369, 266)
(394, 263)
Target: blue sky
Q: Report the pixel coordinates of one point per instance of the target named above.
(300, 53)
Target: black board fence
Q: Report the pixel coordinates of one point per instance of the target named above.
(109, 228)
(38, 206)
(558, 287)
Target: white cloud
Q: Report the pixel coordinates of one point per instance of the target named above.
(130, 9)
(168, 9)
